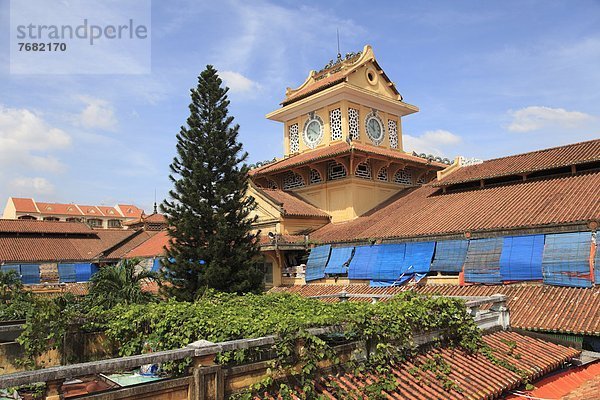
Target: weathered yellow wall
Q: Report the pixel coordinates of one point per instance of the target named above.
(11, 351)
(298, 226)
(348, 198)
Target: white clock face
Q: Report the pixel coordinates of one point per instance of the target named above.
(313, 132)
(374, 128)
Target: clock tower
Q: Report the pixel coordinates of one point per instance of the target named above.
(343, 148)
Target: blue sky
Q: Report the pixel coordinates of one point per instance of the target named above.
(491, 78)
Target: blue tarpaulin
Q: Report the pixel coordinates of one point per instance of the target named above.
(317, 260)
(450, 255)
(389, 264)
(417, 257)
(66, 273)
(566, 259)
(84, 271)
(338, 260)
(521, 258)
(30, 273)
(156, 265)
(397, 282)
(482, 264)
(363, 262)
(14, 267)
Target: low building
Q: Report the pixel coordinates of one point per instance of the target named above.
(95, 216)
(47, 254)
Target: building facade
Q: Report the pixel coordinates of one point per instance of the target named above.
(105, 217)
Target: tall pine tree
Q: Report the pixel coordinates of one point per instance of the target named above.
(209, 215)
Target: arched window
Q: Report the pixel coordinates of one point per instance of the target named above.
(292, 180)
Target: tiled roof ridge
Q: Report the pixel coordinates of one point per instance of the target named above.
(314, 212)
(537, 151)
(118, 244)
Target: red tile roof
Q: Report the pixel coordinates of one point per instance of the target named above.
(314, 87)
(475, 375)
(58, 209)
(424, 211)
(576, 383)
(109, 211)
(24, 205)
(35, 226)
(39, 248)
(154, 218)
(337, 149)
(153, 247)
(91, 211)
(532, 307)
(292, 204)
(130, 211)
(121, 249)
(105, 240)
(562, 156)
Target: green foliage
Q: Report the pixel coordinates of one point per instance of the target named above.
(120, 284)
(14, 300)
(387, 326)
(208, 213)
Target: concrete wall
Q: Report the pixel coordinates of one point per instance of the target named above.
(11, 352)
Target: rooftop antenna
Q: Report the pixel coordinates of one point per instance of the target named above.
(339, 54)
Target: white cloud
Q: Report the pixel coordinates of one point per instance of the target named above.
(98, 114)
(30, 186)
(435, 142)
(237, 82)
(23, 134)
(27, 142)
(535, 117)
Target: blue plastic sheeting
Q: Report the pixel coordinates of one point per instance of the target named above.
(338, 260)
(363, 262)
(566, 259)
(156, 265)
(84, 271)
(521, 258)
(66, 273)
(30, 273)
(389, 263)
(450, 255)
(417, 257)
(16, 268)
(397, 282)
(482, 264)
(317, 260)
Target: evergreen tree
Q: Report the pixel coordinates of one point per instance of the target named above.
(209, 215)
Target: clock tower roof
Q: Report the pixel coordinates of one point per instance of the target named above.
(336, 72)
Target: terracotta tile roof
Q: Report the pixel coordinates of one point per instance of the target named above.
(476, 376)
(58, 209)
(24, 205)
(62, 245)
(39, 248)
(425, 211)
(532, 307)
(576, 383)
(338, 149)
(34, 226)
(154, 218)
(121, 249)
(293, 205)
(104, 240)
(153, 247)
(130, 211)
(562, 156)
(91, 211)
(314, 87)
(109, 211)
(590, 389)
